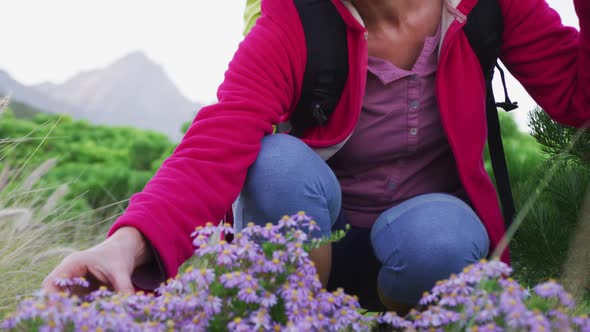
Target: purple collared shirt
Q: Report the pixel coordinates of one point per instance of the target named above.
(398, 149)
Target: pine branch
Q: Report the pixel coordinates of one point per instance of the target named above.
(555, 137)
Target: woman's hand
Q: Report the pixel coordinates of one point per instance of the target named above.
(109, 263)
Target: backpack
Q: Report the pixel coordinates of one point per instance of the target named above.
(327, 70)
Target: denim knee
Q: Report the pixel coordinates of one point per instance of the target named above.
(288, 177)
(423, 240)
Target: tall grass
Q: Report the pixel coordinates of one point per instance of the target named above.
(37, 230)
(34, 238)
(4, 101)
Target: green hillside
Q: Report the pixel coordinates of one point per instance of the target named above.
(104, 164)
(23, 111)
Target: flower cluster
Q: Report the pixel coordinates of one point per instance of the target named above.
(263, 280)
(484, 298)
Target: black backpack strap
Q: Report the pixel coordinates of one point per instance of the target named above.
(326, 70)
(498, 158)
(484, 29)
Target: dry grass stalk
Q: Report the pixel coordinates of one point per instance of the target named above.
(4, 102)
(18, 218)
(54, 199)
(51, 253)
(4, 177)
(37, 174)
(26, 257)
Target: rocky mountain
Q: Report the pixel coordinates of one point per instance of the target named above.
(132, 91)
(32, 97)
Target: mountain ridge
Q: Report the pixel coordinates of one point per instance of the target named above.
(132, 90)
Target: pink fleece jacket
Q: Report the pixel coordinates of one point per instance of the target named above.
(205, 174)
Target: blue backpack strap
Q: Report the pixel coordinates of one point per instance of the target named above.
(483, 29)
(326, 71)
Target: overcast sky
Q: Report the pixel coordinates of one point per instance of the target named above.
(192, 39)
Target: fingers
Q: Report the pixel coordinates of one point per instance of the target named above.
(48, 285)
(122, 283)
(68, 268)
(89, 266)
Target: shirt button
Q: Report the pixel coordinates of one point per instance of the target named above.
(414, 104)
(413, 131)
(413, 77)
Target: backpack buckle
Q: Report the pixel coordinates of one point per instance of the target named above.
(319, 114)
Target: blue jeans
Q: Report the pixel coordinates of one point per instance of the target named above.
(410, 246)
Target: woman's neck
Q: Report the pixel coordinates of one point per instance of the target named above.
(396, 12)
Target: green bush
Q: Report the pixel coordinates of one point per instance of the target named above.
(542, 243)
(104, 164)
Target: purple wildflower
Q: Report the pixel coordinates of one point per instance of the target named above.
(559, 320)
(249, 251)
(538, 322)
(226, 253)
(483, 309)
(268, 231)
(249, 281)
(428, 298)
(287, 222)
(453, 299)
(200, 240)
(495, 269)
(231, 279)
(567, 300)
(213, 305)
(297, 254)
(311, 226)
(208, 230)
(261, 319)
(516, 319)
(273, 266)
(326, 302)
(512, 288)
(300, 236)
(251, 230)
(174, 286)
(435, 317)
(320, 321)
(457, 286)
(239, 325)
(552, 289)
(582, 322)
(63, 282)
(248, 295)
(202, 278)
(278, 238)
(227, 228)
(81, 282)
(490, 327)
(268, 300)
(347, 316)
(549, 289)
(394, 320)
(102, 291)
